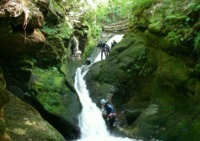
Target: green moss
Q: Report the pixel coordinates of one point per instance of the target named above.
(89, 48)
(180, 130)
(62, 30)
(2, 127)
(56, 11)
(52, 102)
(65, 70)
(31, 126)
(195, 130)
(196, 96)
(193, 7)
(48, 79)
(156, 27)
(139, 5)
(197, 43)
(47, 85)
(162, 96)
(177, 16)
(4, 98)
(174, 38)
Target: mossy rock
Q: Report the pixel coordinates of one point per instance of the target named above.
(47, 85)
(55, 13)
(24, 123)
(4, 97)
(2, 126)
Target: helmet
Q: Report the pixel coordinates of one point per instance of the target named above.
(103, 101)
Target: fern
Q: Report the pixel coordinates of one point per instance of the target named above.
(174, 37)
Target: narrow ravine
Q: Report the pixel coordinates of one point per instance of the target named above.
(91, 122)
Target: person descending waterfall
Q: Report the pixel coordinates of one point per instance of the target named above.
(88, 61)
(104, 49)
(108, 113)
(113, 43)
(107, 50)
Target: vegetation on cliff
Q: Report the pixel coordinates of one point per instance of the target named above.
(155, 68)
(155, 72)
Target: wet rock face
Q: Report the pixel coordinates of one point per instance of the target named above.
(4, 98)
(156, 70)
(18, 27)
(3, 93)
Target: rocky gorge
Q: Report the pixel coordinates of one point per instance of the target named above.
(152, 74)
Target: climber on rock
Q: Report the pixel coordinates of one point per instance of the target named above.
(108, 113)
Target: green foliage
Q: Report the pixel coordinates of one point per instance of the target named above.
(52, 102)
(48, 30)
(88, 50)
(102, 15)
(140, 5)
(95, 31)
(142, 69)
(115, 11)
(174, 37)
(197, 42)
(61, 30)
(93, 34)
(47, 85)
(126, 9)
(48, 80)
(193, 6)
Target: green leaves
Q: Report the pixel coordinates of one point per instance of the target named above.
(175, 38)
(197, 42)
(115, 11)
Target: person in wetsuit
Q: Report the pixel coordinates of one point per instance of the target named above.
(109, 114)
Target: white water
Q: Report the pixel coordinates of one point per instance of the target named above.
(117, 38)
(91, 122)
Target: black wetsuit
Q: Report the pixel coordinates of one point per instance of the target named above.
(110, 116)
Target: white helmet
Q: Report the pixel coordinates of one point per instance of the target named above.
(103, 101)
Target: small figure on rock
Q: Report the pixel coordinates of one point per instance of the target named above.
(113, 43)
(88, 61)
(108, 113)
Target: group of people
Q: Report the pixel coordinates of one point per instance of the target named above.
(105, 49)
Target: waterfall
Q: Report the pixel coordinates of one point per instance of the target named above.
(91, 122)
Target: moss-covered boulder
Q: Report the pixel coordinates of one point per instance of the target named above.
(25, 123)
(154, 72)
(33, 56)
(56, 94)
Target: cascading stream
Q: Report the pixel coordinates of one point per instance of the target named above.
(91, 122)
